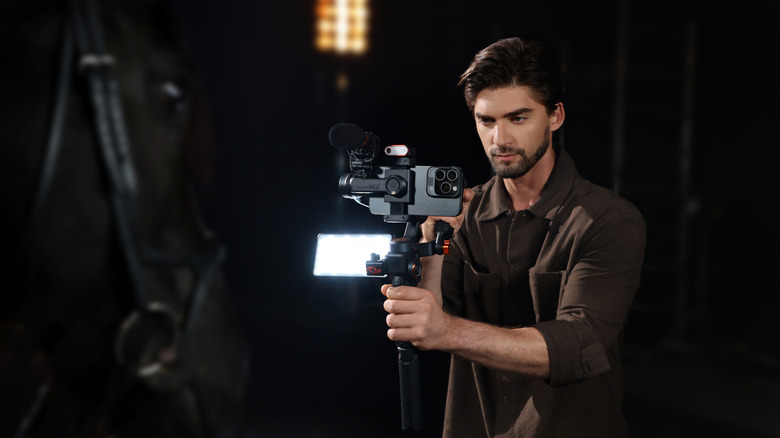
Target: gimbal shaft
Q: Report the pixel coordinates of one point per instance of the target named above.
(403, 264)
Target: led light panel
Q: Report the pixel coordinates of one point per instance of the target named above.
(345, 255)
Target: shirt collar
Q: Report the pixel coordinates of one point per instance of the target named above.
(553, 194)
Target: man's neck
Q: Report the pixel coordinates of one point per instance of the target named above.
(525, 190)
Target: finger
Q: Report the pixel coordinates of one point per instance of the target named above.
(401, 334)
(384, 288)
(404, 293)
(403, 322)
(401, 306)
(397, 321)
(468, 195)
(427, 229)
(453, 221)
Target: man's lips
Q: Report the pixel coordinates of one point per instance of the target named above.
(505, 157)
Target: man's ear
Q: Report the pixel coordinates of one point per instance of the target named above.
(557, 117)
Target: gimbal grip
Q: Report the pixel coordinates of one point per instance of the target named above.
(409, 378)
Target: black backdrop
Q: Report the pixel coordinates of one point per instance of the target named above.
(322, 366)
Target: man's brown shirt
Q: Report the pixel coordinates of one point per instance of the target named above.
(569, 266)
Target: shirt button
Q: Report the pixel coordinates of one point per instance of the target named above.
(507, 399)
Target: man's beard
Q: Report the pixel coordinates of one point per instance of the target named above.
(524, 165)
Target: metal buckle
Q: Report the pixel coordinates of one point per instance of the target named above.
(93, 60)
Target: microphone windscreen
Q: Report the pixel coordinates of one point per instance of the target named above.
(347, 136)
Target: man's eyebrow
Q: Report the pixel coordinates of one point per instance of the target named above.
(509, 115)
(517, 112)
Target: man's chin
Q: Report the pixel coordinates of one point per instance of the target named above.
(506, 168)
(509, 171)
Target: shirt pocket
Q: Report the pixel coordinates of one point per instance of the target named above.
(482, 295)
(546, 290)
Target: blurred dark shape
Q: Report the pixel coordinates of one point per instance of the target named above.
(114, 317)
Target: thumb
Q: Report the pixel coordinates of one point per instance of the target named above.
(468, 195)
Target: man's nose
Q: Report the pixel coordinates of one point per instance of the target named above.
(501, 135)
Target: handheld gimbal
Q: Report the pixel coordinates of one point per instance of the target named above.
(402, 193)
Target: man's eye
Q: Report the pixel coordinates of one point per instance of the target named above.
(518, 119)
(486, 121)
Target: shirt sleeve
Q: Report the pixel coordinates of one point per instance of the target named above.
(597, 291)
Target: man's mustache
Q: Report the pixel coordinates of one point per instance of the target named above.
(506, 150)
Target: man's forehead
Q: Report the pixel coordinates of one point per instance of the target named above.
(505, 99)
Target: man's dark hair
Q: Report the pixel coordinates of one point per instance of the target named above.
(515, 62)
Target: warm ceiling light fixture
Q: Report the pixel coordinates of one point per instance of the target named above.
(342, 26)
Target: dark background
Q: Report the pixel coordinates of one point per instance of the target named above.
(702, 354)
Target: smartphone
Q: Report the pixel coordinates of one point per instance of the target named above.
(437, 191)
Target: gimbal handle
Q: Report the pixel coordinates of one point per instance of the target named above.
(403, 262)
(409, 379)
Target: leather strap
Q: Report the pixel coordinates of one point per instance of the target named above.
(96, 65)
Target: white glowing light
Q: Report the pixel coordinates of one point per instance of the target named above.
(342, 25)
(345, 255)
